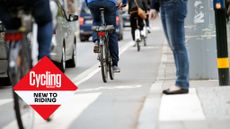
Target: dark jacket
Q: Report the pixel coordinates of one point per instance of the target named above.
(147, 4)
(133, 6)
(155, 4)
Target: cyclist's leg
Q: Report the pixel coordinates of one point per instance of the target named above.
(42, 14)
(110, 19)
(9, 22)
(94, 9)
(133, 24)
(147, 21)
(140, 23)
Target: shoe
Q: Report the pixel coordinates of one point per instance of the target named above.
(96, 48)
(134, 44)
(148, 29)
(116, 69)
(174, 92)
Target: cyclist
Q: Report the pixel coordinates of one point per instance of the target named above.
(42, 14)
(136, 22)
(110, 7)
(147, 9)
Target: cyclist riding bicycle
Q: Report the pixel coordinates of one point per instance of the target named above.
(110, 7)
(40, 9)
(136, 22)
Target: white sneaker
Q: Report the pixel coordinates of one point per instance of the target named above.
(149, 29)
(143, 32)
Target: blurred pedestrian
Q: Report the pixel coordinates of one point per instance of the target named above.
(173, 13)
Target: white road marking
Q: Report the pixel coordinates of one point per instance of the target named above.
(109, 88)
(181, 107)
(5, 101)
(150, 110)
(65, 115)
(86, 75)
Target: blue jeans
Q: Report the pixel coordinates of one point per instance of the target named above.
(42, 15)
(110, 19)
(173, 13)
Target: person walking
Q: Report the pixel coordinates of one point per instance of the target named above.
(173, 14)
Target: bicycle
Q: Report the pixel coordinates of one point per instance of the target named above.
(140, 36)
(19, 63)
(104, 55)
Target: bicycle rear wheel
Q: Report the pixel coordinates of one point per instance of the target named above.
(19, 65)
(110, 67)
(103, 61)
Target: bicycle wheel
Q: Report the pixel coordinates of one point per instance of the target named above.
(138, 46)
(104, 70)
(110, 67)
(19, 65)
(144, 40)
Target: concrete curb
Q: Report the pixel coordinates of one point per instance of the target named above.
(151, 107)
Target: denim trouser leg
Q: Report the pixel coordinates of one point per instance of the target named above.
(173, 13)
(42, 14)
(44, 39)
(110, 19)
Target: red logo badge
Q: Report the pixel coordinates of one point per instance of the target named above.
(45, 88)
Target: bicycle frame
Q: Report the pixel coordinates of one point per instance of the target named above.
(104, 55)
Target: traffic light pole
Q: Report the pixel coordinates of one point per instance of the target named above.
(221, 41)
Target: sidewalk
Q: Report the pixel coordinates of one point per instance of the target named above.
(207, 106)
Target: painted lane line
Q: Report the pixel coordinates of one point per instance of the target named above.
(65, 115)
(86, 75)
(109, 88)
(5, 101)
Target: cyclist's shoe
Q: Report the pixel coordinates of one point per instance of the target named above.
(116, 69)
(133, 43)
(149, 29)
(96, 48)
(143, 33)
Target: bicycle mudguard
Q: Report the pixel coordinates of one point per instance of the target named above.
(103, 28)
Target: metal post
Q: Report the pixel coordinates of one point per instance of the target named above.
(221, 40)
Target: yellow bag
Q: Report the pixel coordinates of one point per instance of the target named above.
(140, 11)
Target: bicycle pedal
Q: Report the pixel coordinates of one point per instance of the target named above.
(96, 49)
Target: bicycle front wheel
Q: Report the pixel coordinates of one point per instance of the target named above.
(20, 56)
(24, 113)
(144, 40)
(138, 46)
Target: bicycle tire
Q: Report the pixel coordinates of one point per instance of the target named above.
(22, 110)
(145, 42)
(109, 62)
(104, 70)
(138, 46)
